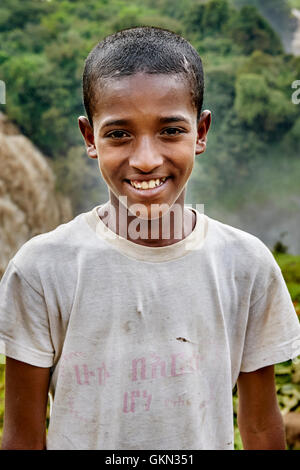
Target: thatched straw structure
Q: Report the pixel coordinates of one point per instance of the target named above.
(29, 204)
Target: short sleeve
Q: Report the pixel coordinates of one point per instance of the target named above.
(24, 324)
(273, 328)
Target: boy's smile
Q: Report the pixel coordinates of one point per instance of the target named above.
(145, 134)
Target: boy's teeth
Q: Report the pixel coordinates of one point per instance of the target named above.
(147, 184)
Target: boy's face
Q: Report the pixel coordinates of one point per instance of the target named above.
(145, 128)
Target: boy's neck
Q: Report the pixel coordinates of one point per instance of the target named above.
(152, 233)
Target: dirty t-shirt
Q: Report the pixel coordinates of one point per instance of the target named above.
(145, 344)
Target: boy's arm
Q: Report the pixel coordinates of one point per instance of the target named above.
(259, 419)
(26, 395)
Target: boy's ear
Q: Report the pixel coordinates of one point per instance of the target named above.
(202, 130)
(88, 135)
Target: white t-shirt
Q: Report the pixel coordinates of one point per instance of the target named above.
(145, 344)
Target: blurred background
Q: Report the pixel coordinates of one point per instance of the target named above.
(249, 175)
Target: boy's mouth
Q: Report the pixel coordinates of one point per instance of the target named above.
(147, 184)
(148, 187)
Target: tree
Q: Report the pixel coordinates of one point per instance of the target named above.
(278, 13)
(206, 19)
(20, 12)
(252, 32)
(264, 109)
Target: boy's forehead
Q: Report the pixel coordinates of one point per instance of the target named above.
(142, 82)
(143, 93)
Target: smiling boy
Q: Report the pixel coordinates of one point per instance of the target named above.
(141, 337)
(148, 148)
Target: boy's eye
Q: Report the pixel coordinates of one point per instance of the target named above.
(120, 134)
(173, 131)
(117, 134)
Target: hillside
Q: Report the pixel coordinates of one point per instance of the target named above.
(278, 13)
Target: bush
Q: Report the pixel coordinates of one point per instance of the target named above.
(279, 247)
(252, 32)
(209, 19)
(264, 109)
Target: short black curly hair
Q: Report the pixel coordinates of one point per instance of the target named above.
(145, 49)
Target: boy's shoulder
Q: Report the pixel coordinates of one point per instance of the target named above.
(47, 248)
(229, 235)
(235, 248)
(240, 248)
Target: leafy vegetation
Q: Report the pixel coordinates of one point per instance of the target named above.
(290, 267)
(278, 13)
(294, 3)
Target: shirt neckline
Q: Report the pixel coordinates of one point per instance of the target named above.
(194, 241)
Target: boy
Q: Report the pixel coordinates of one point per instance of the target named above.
(142, 314)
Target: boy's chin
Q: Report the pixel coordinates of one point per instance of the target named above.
(145, 210)
(148, 211)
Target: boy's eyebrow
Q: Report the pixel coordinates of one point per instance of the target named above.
(166, 119)
(162, 120)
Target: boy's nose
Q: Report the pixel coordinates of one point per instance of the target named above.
(145, 156)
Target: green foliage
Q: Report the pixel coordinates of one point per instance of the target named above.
(290, 268)
(279, 247)
(265, 65)
(294, 3)
(262, 108)
(220, 46)
(294, 290)
(19, 14)
(252, 32)
(215, 16)
(277, 13)
(291, 138)
(245, 27)
(220, 93)
(171, 8)
(208, 19)
(251, 88)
